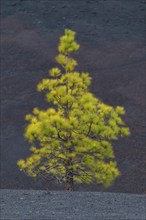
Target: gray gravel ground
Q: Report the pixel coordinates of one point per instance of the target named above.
(60, 205)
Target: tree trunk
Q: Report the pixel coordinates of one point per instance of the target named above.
(69, 181)
(69, 177)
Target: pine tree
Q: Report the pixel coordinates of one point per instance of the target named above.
(72, 141)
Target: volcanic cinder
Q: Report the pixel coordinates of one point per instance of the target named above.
(111, 34)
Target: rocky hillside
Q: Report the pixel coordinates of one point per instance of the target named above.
(111, 34)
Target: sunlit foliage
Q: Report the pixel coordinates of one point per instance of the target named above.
(72, 141)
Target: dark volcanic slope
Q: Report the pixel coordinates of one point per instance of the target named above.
(111, 34)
